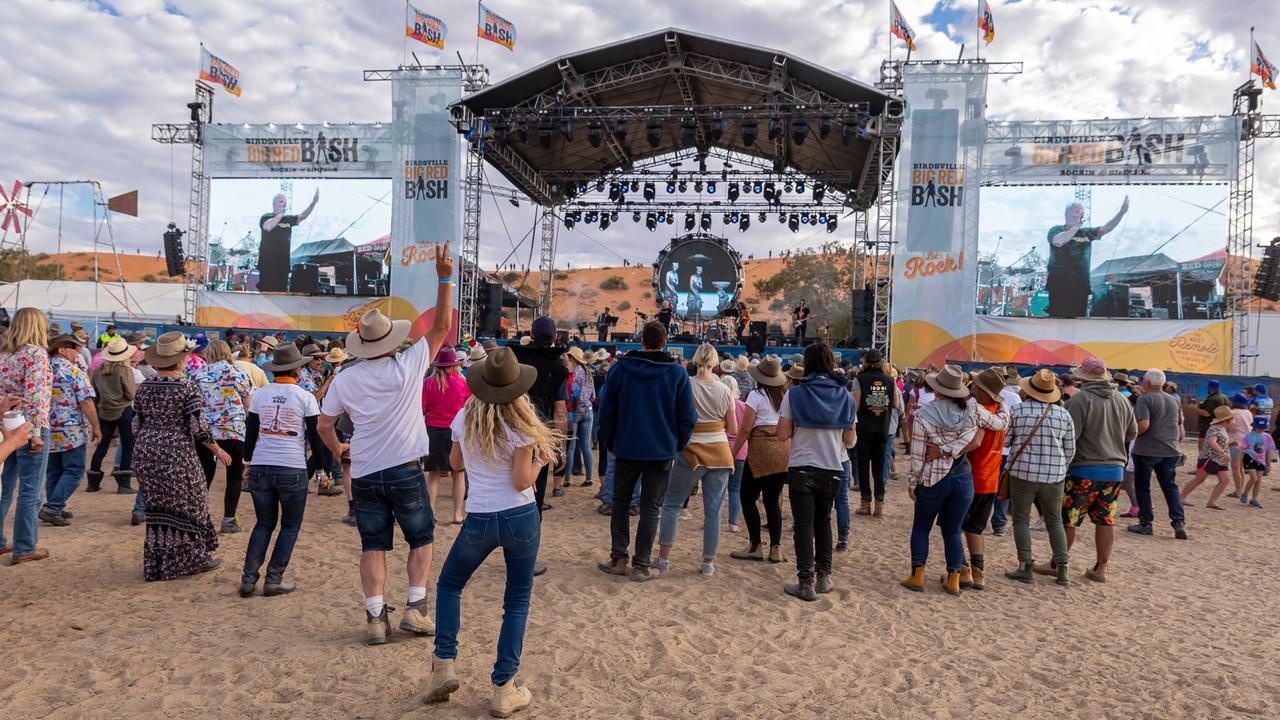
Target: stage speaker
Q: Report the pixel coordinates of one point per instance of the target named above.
(685, 339)
(304, 279)
(759, 327)
(489, 305)
(174, 259)
(754, 343)
(864, 308)
(562, 337)
(622, 337)
(1112, 303)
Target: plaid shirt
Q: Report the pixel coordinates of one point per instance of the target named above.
(950, 441)
(1046, 457)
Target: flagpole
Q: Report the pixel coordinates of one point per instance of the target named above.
(1252, 52)
(404, 40)
(479, 17)
(890, 33)
(977, 42)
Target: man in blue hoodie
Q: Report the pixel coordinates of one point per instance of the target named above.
(646, 418)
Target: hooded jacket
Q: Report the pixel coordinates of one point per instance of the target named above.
(646, 407)
(1104, 424)
(949, 426)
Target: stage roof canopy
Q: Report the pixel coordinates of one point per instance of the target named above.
(667, 74)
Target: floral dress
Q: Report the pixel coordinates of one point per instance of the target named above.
(68, 427)
(28, 374)
(226, 391)
(168, 422)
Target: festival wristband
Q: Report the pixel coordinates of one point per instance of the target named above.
(446, 280)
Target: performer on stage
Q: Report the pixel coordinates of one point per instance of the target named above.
(693, 304)
(665, 310)
(800, 316)
(602, 326)
(273, 251)
(1070, 247)
(744, 321)
(673, 284)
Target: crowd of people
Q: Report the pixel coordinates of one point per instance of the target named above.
(387, 419)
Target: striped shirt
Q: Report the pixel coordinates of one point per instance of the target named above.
(1046, 457)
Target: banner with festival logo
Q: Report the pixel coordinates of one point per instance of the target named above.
(935, 226)
(298, 150)
(495, 28)
(424, 28)
(216, 71)
(1146, 150)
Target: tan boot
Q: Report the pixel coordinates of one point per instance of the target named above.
(417, 619)
(775, 554)
(978, 579)
(444, 681)
(509, 699)
(915, 583)
(879, 511)
(952, 583)
(864, 508)
(966, 576)
(1096, 573)
(376, 627)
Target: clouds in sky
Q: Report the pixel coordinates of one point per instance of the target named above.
(84, 80)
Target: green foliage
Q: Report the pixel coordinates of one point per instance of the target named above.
(149, 278)
(624, 305)
(16, 265)
(613, 282)
(559, 275)
(824, 279)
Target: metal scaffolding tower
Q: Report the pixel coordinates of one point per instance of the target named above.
(547, 258)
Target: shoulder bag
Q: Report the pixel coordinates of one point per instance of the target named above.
(1002, 491)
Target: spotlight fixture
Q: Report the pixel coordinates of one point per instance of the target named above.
(653, 133)
(613, 216)
(831, 224)
(595, 133)
(599, 186)
(804, 219)
(793, 223)
(635, 216)
(725, 219)
(697, 186)
(787, 187)
(501, 128)
(635, 186)
(682, 186)
(662, 217)
(819, 191)
(734, 217)
(749, 130)
(705, 221)
(522, 132)
(775, 128)
(782, 218)
(711, 186)
(762, 217)
(822, 218)
(824, 127)
(566, 130)
(733, 192)
(688, 131)
(671, 218)
(615, 192)
(800, 186)
(604, 221)
(744, 222)
(577, 215)
(688, 222)
(770, 192)
(799, 130)
(649, 192)
(714, 130)
(582, 187)
(757, 187)
(620, 131)
(651, 222)
(568, 222)
(671, 187)
(544, 133)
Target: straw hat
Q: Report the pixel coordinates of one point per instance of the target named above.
(270, 341)
(728, 366)
(796, 359)
(64, 341)
(447, 357)
(80, 335)
(501, 379)
(1222, 414)
(991, 380)
(118, 350)
(336, 356)
(1123, 379)
(742, 363)
(768, 372)
(311, 350)
(796, 372)
(286, 357)
(1042, 386)
(136, 338)
(948, 382)
(1091, 370)
(575, 353)
(376, 334)
(477, 355)
(170, 349)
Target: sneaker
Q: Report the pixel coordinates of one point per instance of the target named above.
(585, 483)
(707, 569)
(1132, 512)
(684, 515)
(1244, 498)
(1233, 494)
(1179, 532)
(662, 565)
(416, 618)
(52, 518)
(230, 525)
(376, 626)
(842, 546)
(1255, 504)
(557, 493)
(1038, 524)
(998, 531)
(1141, 529)
(539, 569)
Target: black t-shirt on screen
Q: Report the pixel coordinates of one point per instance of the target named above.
(273, 253)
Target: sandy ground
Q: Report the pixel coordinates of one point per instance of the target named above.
(1182, 630)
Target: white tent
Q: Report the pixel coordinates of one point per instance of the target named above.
(136, 301)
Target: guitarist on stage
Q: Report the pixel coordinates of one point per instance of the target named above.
(744, 321)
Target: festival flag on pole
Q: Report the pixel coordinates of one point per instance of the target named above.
(1262, 67)
(214, 69)
(495, 28)
(899, 28)
(987, 23)
(424, 28)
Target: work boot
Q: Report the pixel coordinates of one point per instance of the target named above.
(823, 585)
(376, 626)
(775, 554)
(137, 517)
(509, 699)
(1180, 531)
(1063, 578)
(279, 587)
(94, 481)
(864, 508)
(247, 588)
(915, 583)
(978, 577)
(615, 566)
(952, 583)
(803, 590)
(444, 681)
(879, 509)
(1141, 528)
(52, 519)
(1024, 573)
(417, 619)
(751, 553)
(124, 482)
(645, 574)
(966, 576)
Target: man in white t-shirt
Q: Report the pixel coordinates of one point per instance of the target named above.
(279, 426)
(383, 397)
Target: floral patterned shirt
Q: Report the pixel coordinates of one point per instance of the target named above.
(226, 389)
(307, 379)
(68, 427)
(195, 364)
(28, 374)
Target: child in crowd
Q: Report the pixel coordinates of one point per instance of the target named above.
(1259, 449)
(1215, 458)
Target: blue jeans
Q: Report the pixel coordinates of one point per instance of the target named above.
(1165, 469)
(25, 472)
(944, 504)
(396, 495)
(606, 488)
(518, 532)
(683, 478)
(581, 441)
(62, 477)
(735, 490)
(842, 502)
(277, 492)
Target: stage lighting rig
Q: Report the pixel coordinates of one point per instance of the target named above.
(744, 222)
(595, 133)
(711, 186)
(566, 130)
(635, 216)
(714, 130)
(831, 224)
(649, 192)
(799, 130)
(819, 192)
(688, 131)
(705, 221)
(604, 221)
(733, 192)
(651, 221)
(620, 131)
(749, 130)
(775, 128)
(522, 133)
(793, 223)
(688, 221)
(545, 132)
(501, 128)
(824, 127)
(653, 133)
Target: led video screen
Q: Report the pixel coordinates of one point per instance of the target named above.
(699, 278)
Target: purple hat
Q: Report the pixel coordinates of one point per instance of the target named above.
(1261, 423)
(447, 358)
(544, 328)
(201, 341)
(1260, 389)
(1091, 369)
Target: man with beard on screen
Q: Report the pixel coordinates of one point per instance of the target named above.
(1070, 247)
(273, 252)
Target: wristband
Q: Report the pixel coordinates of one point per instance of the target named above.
(446, 280)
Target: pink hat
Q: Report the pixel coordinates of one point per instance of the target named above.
(447, 358)
(1091, 369)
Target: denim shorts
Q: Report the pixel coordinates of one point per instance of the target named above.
(397, 495)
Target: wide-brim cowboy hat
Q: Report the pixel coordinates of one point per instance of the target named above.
(500, 379)
(768, 372)
(795, 372)
(991, 380)
(1042, 385)
(1222, 414)
(376, 334)
(64, 341)
(170, 349)
(312, 351)
(336, 355)
(476, 356)
(118, 350)
(575, 353)
(948, 382)
(270, 341)
(728, 366)
(447, 357)
(286, 357)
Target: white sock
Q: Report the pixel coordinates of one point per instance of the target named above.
(416, 593)
(374, 605)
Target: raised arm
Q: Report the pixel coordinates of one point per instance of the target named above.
(1111, 224)
(307, 213)
(443, 320)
